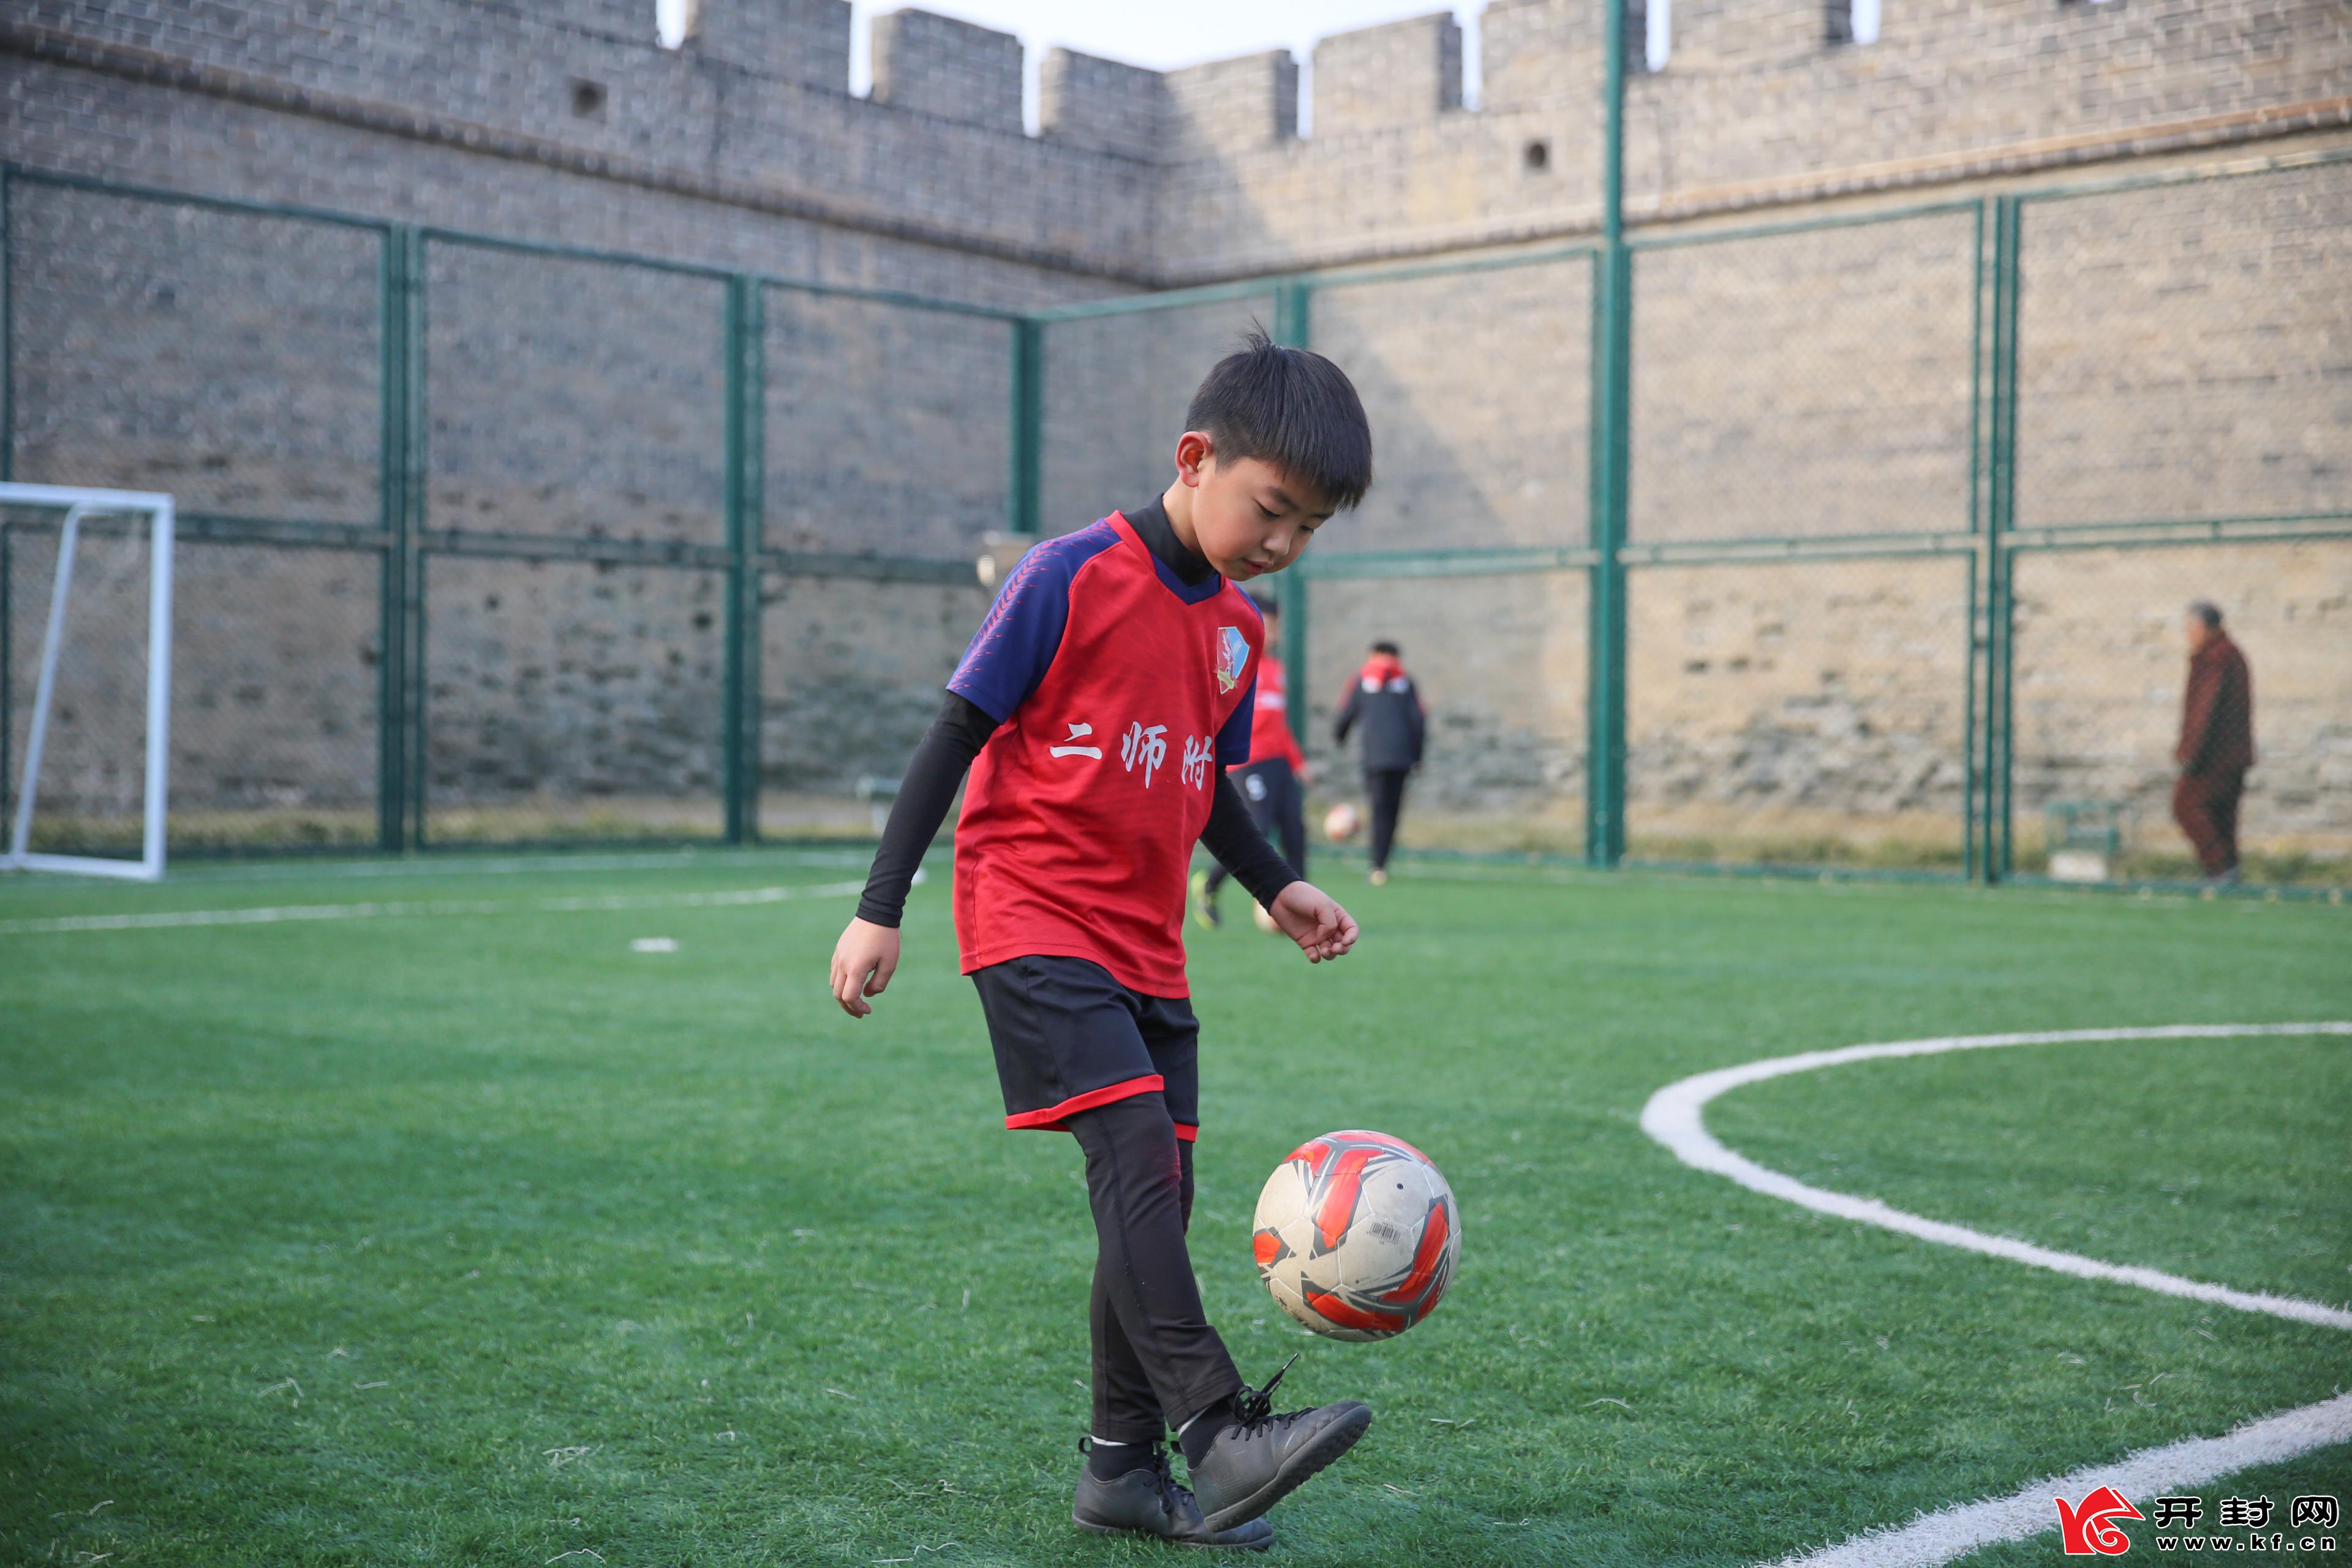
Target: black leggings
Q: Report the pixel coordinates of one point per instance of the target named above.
(1386, 786)
(1270, 789)
(1157, 1362)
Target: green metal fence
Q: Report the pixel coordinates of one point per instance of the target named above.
(1888, 568)
(1854, 542)
(486, 541)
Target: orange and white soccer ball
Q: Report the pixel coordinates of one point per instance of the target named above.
(1341, 823)
(1357, 1235)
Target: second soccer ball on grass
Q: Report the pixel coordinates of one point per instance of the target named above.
(1341, 823)
(1357, 1235)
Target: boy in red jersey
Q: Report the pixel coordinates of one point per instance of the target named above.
(1274, 782)
(1103, 696)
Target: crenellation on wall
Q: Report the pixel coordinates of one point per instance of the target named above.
(501, 83)
(1399, 73)
(953, 69)
(806, 41)
(1246, 104)
(1101, 106)
(1534, 53)
(1756, 108)
(1713, 36)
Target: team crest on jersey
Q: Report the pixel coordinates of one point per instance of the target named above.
(1232, 656)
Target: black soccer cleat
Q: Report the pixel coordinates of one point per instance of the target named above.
(1262, 1457)
(1147, 1501)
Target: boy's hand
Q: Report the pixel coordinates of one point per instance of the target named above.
(865, 959)
(1314, 920)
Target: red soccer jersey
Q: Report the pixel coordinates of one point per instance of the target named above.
(1270, 735)
(1118, 690)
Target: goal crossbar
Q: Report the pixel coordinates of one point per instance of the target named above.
(79, 504)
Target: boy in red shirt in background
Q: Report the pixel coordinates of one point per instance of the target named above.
(1097, 708)
(1274, 783)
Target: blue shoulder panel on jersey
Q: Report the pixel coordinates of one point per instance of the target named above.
(1233, 738)
(1023, 629)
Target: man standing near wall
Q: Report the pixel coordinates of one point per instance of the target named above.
(2217, 743)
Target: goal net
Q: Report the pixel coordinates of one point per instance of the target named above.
(85, 676)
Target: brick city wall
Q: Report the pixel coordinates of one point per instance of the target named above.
(1807, 386)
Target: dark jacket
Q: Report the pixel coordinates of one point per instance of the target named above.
(2217, 716)
(1382, 699)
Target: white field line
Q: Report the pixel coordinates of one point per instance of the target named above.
(463, 864)
(1674, 1116)
(457, 863)
(2183, 1466)
(429, 909)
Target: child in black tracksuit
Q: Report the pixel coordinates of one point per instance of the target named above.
(1383, 700)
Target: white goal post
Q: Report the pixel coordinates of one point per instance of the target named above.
(79, 504)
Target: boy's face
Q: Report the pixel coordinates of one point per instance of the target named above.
(1249, 518)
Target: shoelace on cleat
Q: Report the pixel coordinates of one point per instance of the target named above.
(1252, 1406)
(1166, 1478)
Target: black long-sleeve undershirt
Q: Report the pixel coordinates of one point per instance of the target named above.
(937, 771)
(934, 775)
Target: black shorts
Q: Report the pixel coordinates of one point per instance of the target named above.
(1069, 1037)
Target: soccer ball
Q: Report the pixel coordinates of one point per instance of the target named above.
(1356, 1235)
(1340, 823)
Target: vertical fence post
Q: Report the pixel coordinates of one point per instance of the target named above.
(2000, 609)
(408, 553)
(746, 485)
(1028, 435)
(1972, 749)
(1293, 327)
(1992, 598)
(1607, 461)
(391, 564)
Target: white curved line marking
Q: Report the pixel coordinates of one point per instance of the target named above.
(1674, 1116)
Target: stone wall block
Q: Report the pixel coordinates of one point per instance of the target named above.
(799, 40)
(1395, 74)
(953, 69)
(1231, 106)
(1101, 105)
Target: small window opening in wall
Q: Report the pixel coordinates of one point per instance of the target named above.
(1850, 22)
(1538, 157)
(587, 98)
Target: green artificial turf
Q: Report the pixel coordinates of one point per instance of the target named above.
(471, 1236)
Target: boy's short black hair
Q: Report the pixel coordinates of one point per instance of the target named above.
(1292, 407)
(2207, 611)
(1389, 648)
